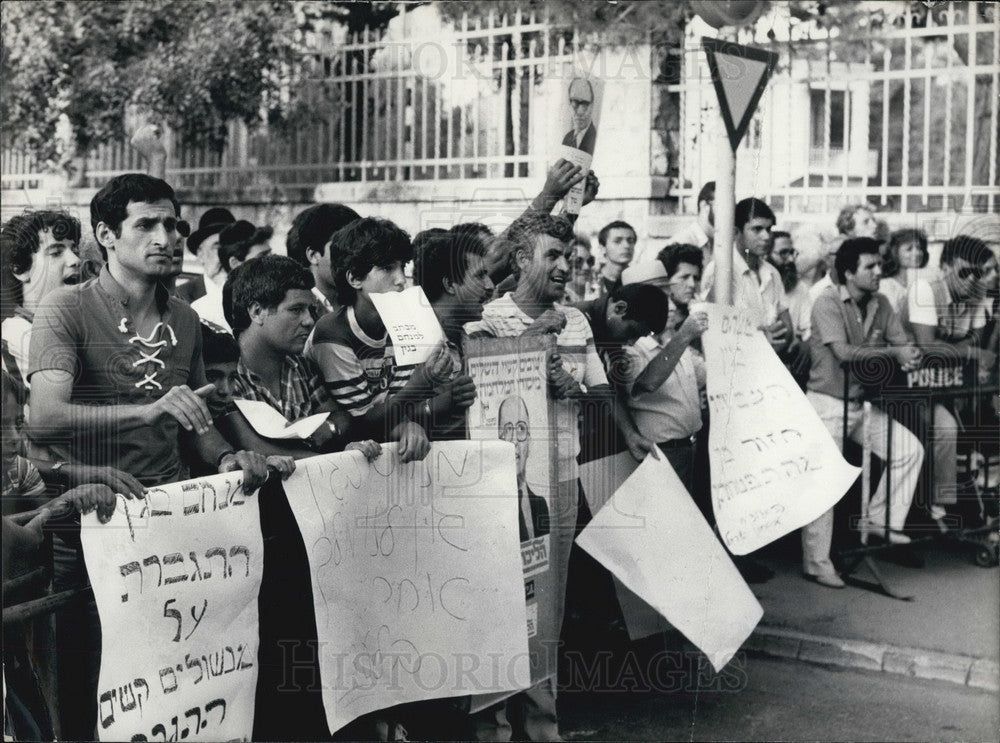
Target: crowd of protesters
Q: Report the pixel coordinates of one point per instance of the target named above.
(118, 378)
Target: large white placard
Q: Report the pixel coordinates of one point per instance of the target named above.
(774, 466)
(600, 479)
(411, 323)
(652, 536)
(176, 578)
(416, 572)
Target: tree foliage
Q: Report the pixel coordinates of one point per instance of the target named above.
(192, 65)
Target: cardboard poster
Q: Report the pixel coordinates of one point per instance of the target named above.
(512, 404)
(774, 466)
(652, 536)
(600, 479)
(411, 323)
(176, 578)
(416, 575)
(580, 109)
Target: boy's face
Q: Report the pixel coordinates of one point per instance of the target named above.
(223, 376)
(384, 279)
(56, 263)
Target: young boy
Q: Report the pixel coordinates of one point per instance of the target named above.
(351, 345)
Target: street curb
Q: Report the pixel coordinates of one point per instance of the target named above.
(978, 673)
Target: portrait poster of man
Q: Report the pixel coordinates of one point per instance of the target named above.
(512, 404)
(581, 106)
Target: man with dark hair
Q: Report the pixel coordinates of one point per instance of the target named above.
(272, 318)
(40, 253)
(351, 346)
(451, 269)
(583, 135)
(308, 243)
(852, 322)
(757, 286)
(118, 379)
(618, 239)
(626, 315)
(541, 247)
(947, 319)
(854, 220)
(204, 245)
(702, 230)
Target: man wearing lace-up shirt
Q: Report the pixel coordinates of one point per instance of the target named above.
(114, 367)
(116, 362)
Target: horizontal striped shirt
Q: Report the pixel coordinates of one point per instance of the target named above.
(502, 318)
(359, 371)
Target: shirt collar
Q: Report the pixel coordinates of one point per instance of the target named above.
(321, 298)
(117, 292)
(845, 296)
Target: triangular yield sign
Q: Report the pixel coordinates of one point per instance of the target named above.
(739, 74)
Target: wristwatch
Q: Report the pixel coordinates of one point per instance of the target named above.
(58, 466)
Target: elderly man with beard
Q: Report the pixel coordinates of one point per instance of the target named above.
(782, 257)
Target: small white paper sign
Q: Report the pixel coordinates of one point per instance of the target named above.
(411, 322)
(271, 424)
(652, 536)
(574, 199)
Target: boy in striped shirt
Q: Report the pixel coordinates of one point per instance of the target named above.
(351, 345)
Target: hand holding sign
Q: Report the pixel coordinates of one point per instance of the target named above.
(411, 323)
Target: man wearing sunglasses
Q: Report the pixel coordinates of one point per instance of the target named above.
(947, 319)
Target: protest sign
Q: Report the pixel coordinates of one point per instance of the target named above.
(269, 423)
(416, 574)
(774, 466)
(600, 479)
(512, 403)
(574, 197)
(580, 107)
(176, 578)
(411, 323)
(652, 536)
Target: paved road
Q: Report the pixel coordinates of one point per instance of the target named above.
(762, 699)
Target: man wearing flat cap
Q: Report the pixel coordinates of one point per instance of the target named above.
(204, 244)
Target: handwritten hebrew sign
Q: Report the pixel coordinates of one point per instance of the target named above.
(176, 578)
(652, 536)
(512, 404)
(411, 323)
(774, 466)
(416, 574)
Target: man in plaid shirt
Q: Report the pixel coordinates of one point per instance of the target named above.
(271, 306)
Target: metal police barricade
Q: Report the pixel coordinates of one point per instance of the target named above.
(936, 381)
